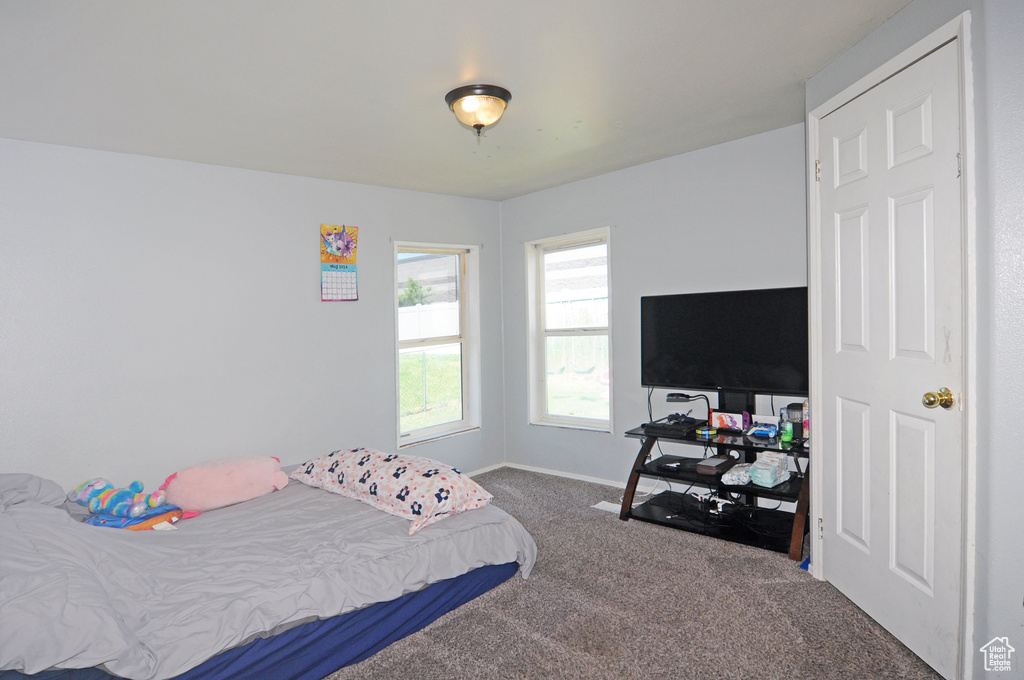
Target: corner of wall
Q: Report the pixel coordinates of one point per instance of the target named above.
(501, 349)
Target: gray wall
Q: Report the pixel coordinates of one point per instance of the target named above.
(998, 61)
(731, 216)
(157, 314)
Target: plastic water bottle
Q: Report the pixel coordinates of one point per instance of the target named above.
(785, 425)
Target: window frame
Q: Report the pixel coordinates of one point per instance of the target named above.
(538, 332)
(468, 338)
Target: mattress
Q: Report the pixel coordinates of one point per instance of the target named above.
(157, 604)
(314, 650)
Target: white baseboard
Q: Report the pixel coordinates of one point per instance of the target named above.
(496, 466)
(644, 486)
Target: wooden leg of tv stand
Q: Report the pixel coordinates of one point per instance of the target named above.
(796, 541)
(634, 477)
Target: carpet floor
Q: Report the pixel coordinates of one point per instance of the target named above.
(631, 600)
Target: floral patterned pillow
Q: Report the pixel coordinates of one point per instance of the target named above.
(419, 489)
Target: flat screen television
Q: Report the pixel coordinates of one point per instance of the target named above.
(743, 341)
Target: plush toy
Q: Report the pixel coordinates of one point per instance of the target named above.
(100, 496)
(214, 485)
(84, 492)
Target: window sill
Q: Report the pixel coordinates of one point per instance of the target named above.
(406, 443)
(607, 429)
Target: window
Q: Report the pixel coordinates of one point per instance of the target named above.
(438, 351)
(570, 357)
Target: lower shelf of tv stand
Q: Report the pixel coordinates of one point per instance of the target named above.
(679, 469)
(759, 527)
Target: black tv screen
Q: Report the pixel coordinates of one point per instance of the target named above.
(745, 340)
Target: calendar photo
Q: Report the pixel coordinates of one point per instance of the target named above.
(338, 273)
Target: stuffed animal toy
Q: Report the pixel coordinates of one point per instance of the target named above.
(100, 496)
(214, 485)
(84, 492)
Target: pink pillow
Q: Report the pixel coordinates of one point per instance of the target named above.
(419, 489)
(214, 485)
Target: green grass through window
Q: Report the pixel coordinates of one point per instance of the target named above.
(430, 388)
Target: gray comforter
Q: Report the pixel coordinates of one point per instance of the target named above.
(152, 604)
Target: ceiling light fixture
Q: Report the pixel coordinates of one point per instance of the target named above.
(478, 106)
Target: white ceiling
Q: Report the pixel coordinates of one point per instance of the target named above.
(354, 90)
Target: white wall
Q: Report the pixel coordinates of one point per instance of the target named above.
(156, 314)
(727, 217)
(998, 60)
(1001, 363)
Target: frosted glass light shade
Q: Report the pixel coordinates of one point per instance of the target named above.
(478, 106)
(478, 110)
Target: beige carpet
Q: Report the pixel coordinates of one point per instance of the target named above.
(623, 600)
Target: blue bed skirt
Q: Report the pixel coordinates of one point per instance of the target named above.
(316, 649)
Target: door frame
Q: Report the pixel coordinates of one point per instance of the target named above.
(959, 29)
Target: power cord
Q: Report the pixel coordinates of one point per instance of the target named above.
(650, 419)
(651, 494)
(647, 495)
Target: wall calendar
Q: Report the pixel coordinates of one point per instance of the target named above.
(338, 272)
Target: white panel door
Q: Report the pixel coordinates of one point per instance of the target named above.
(891, 291)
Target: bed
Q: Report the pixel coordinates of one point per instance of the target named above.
(294, 584)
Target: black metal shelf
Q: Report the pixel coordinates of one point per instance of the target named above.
(741, 521)
(728, 440)
(686, 471)
(759, 527)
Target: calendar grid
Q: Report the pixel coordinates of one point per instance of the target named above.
(338, 286)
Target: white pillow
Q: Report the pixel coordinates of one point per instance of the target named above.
(420, 489)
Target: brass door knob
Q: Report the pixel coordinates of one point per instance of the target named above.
(943, 398)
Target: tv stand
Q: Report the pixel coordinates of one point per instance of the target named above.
(741, 520)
